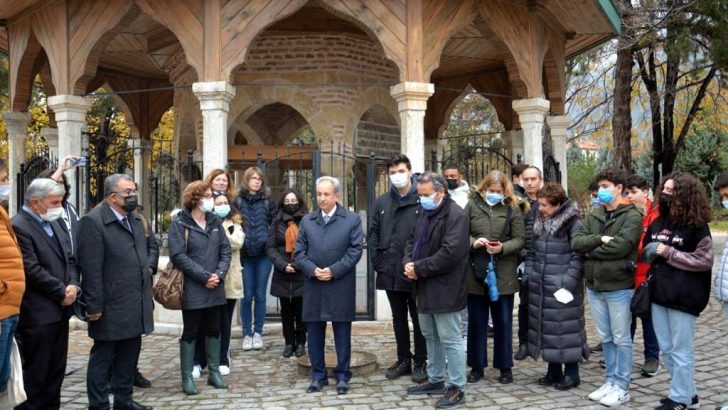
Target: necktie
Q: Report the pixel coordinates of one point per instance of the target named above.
(125, 222)
(326, 219)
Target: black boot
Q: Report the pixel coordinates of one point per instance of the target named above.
(140, 381)
(186, 360)
(506, 376)
(288, 351)
(214, 378)
(402, 367)
(522, 352)
(300, 350)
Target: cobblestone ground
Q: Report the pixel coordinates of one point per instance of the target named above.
(263, 379)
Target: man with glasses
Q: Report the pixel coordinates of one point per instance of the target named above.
(117, 289)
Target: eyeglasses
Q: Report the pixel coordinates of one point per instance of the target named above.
(254, 178)
(290, 202)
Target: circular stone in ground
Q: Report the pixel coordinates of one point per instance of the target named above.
(362, 364)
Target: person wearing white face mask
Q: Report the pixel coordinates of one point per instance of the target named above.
(199, 247)
(51, 289)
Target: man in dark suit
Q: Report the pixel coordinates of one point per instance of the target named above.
(329, 245)
(51, 288)
(114, 266)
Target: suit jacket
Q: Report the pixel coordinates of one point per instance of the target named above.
(49, 267)
(337, 245)
(115, 279)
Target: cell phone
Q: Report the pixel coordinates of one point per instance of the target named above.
(79, 162)
(493, 243)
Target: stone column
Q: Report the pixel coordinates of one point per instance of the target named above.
(51, 136)
(531, 115)
(214, 99)
(514, 143)
(70, 117)
(17, 126)
(411, 100)
(142, 151)
(559, 128)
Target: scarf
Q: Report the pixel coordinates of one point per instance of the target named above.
(291, 235)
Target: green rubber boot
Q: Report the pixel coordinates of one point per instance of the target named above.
(214, 378)
(186, 361)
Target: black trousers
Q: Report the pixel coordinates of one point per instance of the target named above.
(226, 321)
(294, 328)
(342, 344)
(118, 358)
(43, 350)
(523, 313)
(401, 303)
(502, 313)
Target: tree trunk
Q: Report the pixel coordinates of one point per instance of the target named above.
(622, 114)
(648, 72)
(668, 114)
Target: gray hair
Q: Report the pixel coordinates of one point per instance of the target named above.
(437, 180)
(40, 188)
(335, 182)
(112, 181)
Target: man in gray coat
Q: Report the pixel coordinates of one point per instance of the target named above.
(112, 259)
(329, 245)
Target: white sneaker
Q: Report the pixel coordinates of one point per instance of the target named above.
(257, 341)
(247, 343)
(616, 397)
(224, 370)
(196, 371)
(599, 393)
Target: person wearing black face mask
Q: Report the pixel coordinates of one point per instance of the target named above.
(287, 282)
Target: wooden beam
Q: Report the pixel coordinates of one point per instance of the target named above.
(158, 41)
(414, 41)
(212, 41)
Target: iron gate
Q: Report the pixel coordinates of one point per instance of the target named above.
(362, 180)
(29, 171)
(551, 169)
(475, 156)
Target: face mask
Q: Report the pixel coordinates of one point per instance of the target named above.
(222, 210)
(207, 204)
(291, 209)
(51, 214)
(665, 200)
(428, 202)
(452, 184)
(493, 197)
(595, 202)
(130, 203)
(5, 192)
(399, 180)
(725, 204)
(605, 195)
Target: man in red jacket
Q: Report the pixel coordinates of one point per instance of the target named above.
(637, 192)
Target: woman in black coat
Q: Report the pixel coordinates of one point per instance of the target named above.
(199, 248)
(556, 300)
(287, 283)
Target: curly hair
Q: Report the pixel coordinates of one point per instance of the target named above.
(613, 175)
(689, 206)
(193, 193)
(235, 216)
(498, 177)
(216, 173)
(553, 193)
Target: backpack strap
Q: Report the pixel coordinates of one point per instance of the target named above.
(506, 225)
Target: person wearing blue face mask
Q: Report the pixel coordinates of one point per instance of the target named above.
(232, 223)
(721, 278)
(608, 241)
(497, 231)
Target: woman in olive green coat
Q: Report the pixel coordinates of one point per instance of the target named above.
(496, 228)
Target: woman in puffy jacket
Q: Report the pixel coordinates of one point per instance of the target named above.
(556, 324)
(287, 283)
(680, 249)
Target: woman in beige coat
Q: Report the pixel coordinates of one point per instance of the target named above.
(233, 225)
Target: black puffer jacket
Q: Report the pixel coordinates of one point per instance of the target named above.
(207, 251)
(258, 212)
(392, 222)
(556, 330)
(284, 284)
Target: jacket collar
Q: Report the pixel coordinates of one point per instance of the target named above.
(601, 212)
(36, 224)
(339, 213)
(187, 220)
(567, 212)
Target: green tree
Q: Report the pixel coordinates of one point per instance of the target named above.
(706, 155)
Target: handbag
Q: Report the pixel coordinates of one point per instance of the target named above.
(169, 289)
(16, 388)
(641, 303)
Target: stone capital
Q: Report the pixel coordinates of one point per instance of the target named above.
(411, 95)
(532, 110)
(17, 123)
(139, 143)
(69, 107)
(214, 95)
(559, 125)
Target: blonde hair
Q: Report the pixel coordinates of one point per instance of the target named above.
(500, 178)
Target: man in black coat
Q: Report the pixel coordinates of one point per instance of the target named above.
(330, 244)
(114, 266)
(395, 215)
(436, 258)
(51, 288)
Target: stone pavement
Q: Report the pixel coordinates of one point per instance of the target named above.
(263, 379)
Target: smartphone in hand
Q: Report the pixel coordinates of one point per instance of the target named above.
(79, 162)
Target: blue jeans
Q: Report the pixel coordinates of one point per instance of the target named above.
(256, 271)
(444, 340)
(676, 334)
(652, 348)
(7, 333)
(612, 317)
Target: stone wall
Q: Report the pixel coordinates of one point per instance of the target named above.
(382, 139)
